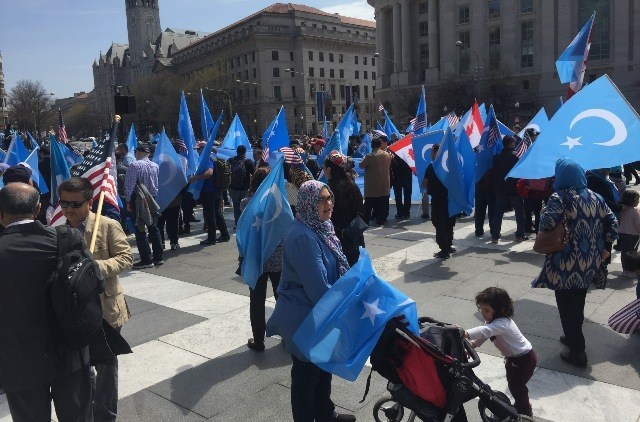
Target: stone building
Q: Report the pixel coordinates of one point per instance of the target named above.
(123, 64)
(4, 106)
(522, 38)
(281, 56)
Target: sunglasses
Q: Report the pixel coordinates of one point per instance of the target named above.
(73, 204)
(325, 199)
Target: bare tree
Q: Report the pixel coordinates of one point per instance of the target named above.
(29, 103)
(80, 122)
(501, 90)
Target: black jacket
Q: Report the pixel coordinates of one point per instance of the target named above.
(502, 165)
(28, 355)
(600, 187)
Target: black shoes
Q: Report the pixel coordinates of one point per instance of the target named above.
(453, 249)
(158, 263)
(344, 417)
(575, 359)
(223, 238)
(425, 216)
(522, 239)
(563, 340)
(207, 242)
(442, 255)
(256, 347)
(142, 265)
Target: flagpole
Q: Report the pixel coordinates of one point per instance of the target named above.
(112, 141)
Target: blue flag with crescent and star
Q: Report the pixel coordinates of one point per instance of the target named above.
(206, 121)
(422, 150)
(59, 169)
(538, 122)
(17, 151)
(449, 167)
(365, 146)
(186, 133)
(342, 329)
(32, 161)
(490, 143)
(171, 177)
(277, 135)
(346, 128)
(235, 137)
(263, 224)
(132, 142)
(205, 157)
(598, 128)
(389, 127)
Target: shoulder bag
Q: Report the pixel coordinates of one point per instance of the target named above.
(554, 240)
(355, 229)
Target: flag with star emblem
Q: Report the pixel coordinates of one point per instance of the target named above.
(263, 224)
(236, 136)
(342, 329)
(598, 128)
(276, 136)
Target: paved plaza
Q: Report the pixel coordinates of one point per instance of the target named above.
(190, 325)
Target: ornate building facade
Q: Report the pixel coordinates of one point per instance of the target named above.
(281, 56)
(522, 38)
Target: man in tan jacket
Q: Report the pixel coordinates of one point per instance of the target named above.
(113, 255)
(377, 179)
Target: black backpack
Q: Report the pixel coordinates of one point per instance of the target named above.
(238, 173)
(223, 174)
(74, 288)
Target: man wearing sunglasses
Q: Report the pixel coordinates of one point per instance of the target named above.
(113, 255)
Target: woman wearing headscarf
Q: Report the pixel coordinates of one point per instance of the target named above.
(348, 201)
(591, 227)
(312, 260)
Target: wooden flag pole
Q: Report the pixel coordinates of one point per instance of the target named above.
(96, 224)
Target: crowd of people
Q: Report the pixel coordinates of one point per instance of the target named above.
(595, 209)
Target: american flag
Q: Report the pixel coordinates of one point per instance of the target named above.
(452, 119)
(522, 145)
(494, 135)
(419, 122)
(381, 109)
(96, 167)
(291, 156)
(181, 147)
(62, 132)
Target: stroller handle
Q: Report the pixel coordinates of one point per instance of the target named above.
(475, 359)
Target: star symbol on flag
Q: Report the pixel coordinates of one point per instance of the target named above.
(258, 223)
(572, 142)
(371, 310)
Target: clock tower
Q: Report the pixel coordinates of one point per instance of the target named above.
(143, 27)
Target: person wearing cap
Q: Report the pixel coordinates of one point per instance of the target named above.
(377, 182)
(145, 172)
(20, 173)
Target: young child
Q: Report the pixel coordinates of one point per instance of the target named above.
(633, 265)
(629, 228)
(496, 308)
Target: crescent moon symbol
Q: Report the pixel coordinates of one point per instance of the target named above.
(445, 156)
(165, 166)
(426, 148)
(620, 129)
(277, 196)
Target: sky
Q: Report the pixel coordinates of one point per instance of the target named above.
(56, 41)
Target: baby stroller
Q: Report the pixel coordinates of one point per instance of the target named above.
(431, 375)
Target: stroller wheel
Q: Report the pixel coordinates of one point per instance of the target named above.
(488, 416)
(387, 410)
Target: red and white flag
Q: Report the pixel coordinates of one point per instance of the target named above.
(403, 148)
(97, 167)
(62, 131)
(474, 126)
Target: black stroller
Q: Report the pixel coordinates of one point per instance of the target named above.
(432, 376)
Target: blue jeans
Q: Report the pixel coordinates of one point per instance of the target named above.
(310, 393)
(502, 202)
(144, 249)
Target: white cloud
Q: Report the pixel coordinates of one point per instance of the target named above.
(358, 9)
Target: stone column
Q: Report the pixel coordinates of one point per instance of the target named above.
(397, 38)
(407, 47)
(382, 39)
(434, 34)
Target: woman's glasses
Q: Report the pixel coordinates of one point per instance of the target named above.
(324, 199)
(73, 204)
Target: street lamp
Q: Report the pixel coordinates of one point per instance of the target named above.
(517, 118)
(302, 124)
(463, 46)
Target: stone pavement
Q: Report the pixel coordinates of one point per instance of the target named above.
(190, 325)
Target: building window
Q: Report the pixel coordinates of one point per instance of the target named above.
(525, 85)
(366, 92)
(277, 94)
(332, 90)
(253, 57)
(293, 94)
(424, 60)
(332, 73)
(463, 54)
(526, 6)
(231, 63)
(355, 58)
(321, 56)
(494, 46)
(291, 56)
(373, 61)
(373, 75)
(255, 92)
(322, 72)
(312, 90)
(274, 55)
(276, 72)
(238, 61)
(494, 9)
(254, 72)
(601, 32)
(342, 94)
(463, 14)
(246, 74)
(365, 74)
(423, 8)
(364, 60)
(341, 73)
(331, 57)
(357, 74)
(245, 59)
(292, 71)
(340, 58)
(310, 55)
(526, 44)
(313, 111)
(311, 72)
(423, 29)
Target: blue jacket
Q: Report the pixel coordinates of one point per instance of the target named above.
(309, 269)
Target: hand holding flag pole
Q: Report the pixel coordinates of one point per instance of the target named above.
(111, 141)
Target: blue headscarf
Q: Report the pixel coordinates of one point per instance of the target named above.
(569, 175)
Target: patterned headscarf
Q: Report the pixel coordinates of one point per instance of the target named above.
(307, 213)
